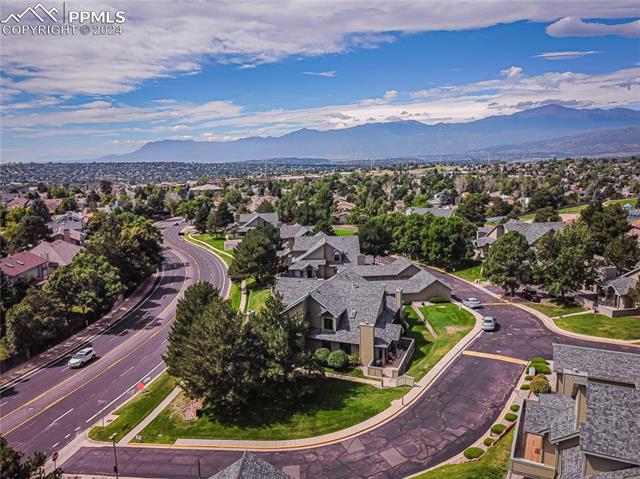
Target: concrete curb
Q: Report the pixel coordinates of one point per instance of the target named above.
(130, 436)
(204, 246)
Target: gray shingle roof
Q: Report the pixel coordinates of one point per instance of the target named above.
(621, 285)
(540, 414)
(441, 212)
(613, 422)
(245, 218)
(597, 363)
(293, 231)
(250, 466)
(533, 231)
(348, 245)
(392, 269)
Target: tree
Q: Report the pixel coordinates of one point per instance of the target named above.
(88, 282)
(39, 208)
(509, 261)
(622, 252)
(546, 214)
(605, 224)
(564, 262)
(286, 208)
(105, 187)
(446, 242)
(265, 207)
(201, 217)
(256, 256)
(219, 218)
(13, 464)
(29, 231)
(374, 237)
(472, 209)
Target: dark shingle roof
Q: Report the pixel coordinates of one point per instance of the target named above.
(613, 422)
(597, 363)
(533, 231)
(540, 414)
(621, 285)
(293, 231)
(441, 212)
(250, 466)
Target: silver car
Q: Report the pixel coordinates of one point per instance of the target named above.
(472, 303)
(488, 323)
(82, 357)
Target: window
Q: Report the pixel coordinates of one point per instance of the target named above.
(337, 256)
(328, 323)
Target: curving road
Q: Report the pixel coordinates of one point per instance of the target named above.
(48, 408)
(454, 412)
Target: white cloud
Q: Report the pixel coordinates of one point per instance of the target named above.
(512, 72)
(327, 74)
(568, 55)
(164, 39)
(575, 27)
(390, 94)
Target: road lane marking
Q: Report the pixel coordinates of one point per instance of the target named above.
(67, 436)
(126, 371)
(57, 419)
(30, 374)
(195, 266)
(498, 357)
(54, 446)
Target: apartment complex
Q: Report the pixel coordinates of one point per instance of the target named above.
(590, 427)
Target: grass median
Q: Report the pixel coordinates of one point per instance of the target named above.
(627, 327)
(450, 323)
(557, 308)
(334, 405)
(134, 411)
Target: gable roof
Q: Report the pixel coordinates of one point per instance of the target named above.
(440, 212)
(349, 246)
(294, 231)
(533, 231)
(20, 263)
(59, 252)
(250, 466)
(597, 363)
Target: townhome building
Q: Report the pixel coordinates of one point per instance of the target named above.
(486, 236)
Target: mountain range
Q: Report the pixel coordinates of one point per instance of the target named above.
(543, 131)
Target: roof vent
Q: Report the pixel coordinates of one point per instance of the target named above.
(21, 263)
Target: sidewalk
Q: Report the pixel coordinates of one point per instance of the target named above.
(118, 312)
(397, 407)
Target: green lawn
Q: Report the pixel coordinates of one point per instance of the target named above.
(235, 295)
(493, 465)
(216, 242)
(470, 272)
(602, 326)
(335, 405)
(579, 208)
(341, 232)
(558, 308)
(257, 297)
(130, 414)
(449, 322)
(353, 372)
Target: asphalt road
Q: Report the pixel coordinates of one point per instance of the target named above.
(457, 409)
(45, 410)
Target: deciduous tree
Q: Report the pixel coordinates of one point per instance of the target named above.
(509, 263)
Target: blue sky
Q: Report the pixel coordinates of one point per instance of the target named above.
(221, 74)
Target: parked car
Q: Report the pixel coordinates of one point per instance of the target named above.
(472, 303)
(531, 295)
(488, 323)
(82, 357)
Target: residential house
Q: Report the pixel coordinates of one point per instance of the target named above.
(250, 466)
(589, 427)
(68, 227)
(248, 221)
(321, 255)
(440, 212)
(25, 265)
(612, 293)
(52, 204)
(18, 202)
(531, 231)
(343, 208)
(206, 189)
(288, 233)
(57, 253)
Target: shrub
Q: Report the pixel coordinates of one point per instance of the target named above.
(510, 417)
(354, 360)
(322, 354)
(538, 359)
(438, 299)
(488, 441)
(540, 385)
(540, 368)
(498, 428)
(473, 452)
(515, 407)
(525, 387)
(337, 359)
(528, 377)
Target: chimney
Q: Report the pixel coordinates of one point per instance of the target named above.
(399, 298)
(360, 259)
(66, 235)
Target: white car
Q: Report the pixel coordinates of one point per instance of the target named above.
(471, 303)
(82, 357)
(488, 323)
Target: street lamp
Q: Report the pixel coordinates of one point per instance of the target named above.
(115, 456)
